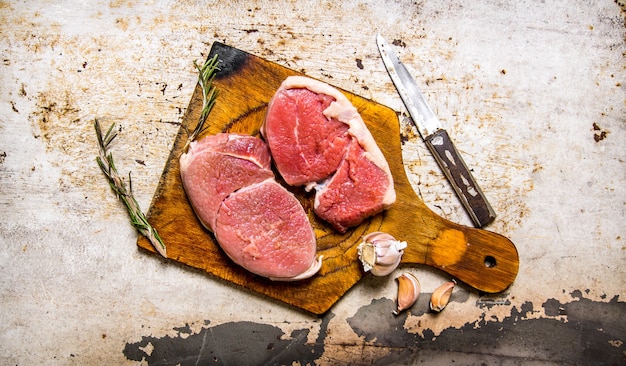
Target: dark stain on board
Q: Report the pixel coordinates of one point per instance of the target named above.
(581, 332)
(237, 343)
(231, 59)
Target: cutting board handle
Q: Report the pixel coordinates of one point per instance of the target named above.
(480, 258)
(483, 259)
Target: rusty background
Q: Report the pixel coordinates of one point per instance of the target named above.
(532, 93)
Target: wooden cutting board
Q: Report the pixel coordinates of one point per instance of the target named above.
(246, 83)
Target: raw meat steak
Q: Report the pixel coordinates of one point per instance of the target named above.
(264, 229)
(296, 121)
(354, 192)
(217, 166)
(318, 140)
(258, 223)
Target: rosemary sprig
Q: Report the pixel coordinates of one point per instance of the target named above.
(137, 218)
(206, 74)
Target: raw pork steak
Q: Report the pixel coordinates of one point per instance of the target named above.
(258, 223)
(217, 166)
(266, 231)
(318, 140)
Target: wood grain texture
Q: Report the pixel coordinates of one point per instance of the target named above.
(246, 83)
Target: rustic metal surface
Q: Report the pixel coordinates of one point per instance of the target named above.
(532, 92)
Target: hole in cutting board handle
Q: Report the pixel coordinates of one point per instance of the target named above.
(490, 261)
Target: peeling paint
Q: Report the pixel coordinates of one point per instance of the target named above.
(582, 331)
(235, 343)
(586, 332)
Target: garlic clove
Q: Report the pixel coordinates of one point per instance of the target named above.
(367, 255)
(408, 291)
(380, 253)
(441, 296)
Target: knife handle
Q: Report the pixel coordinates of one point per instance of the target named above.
(461, 178)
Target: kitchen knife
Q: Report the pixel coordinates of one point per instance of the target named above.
(437, 139)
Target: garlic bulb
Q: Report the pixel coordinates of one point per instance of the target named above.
(380, 253)
(408, 291)
(441, 296)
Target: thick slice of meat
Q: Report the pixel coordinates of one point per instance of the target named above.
(319, 140)
(217, 166)
(257, 222)
(354, 192)
(295, 123)
(264, 229)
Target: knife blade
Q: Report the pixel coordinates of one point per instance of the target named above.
(437, 139)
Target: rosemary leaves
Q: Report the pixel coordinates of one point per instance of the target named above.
(107, 165)
(206, 74)
(105, 159)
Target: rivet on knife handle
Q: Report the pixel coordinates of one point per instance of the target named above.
(460, 178)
